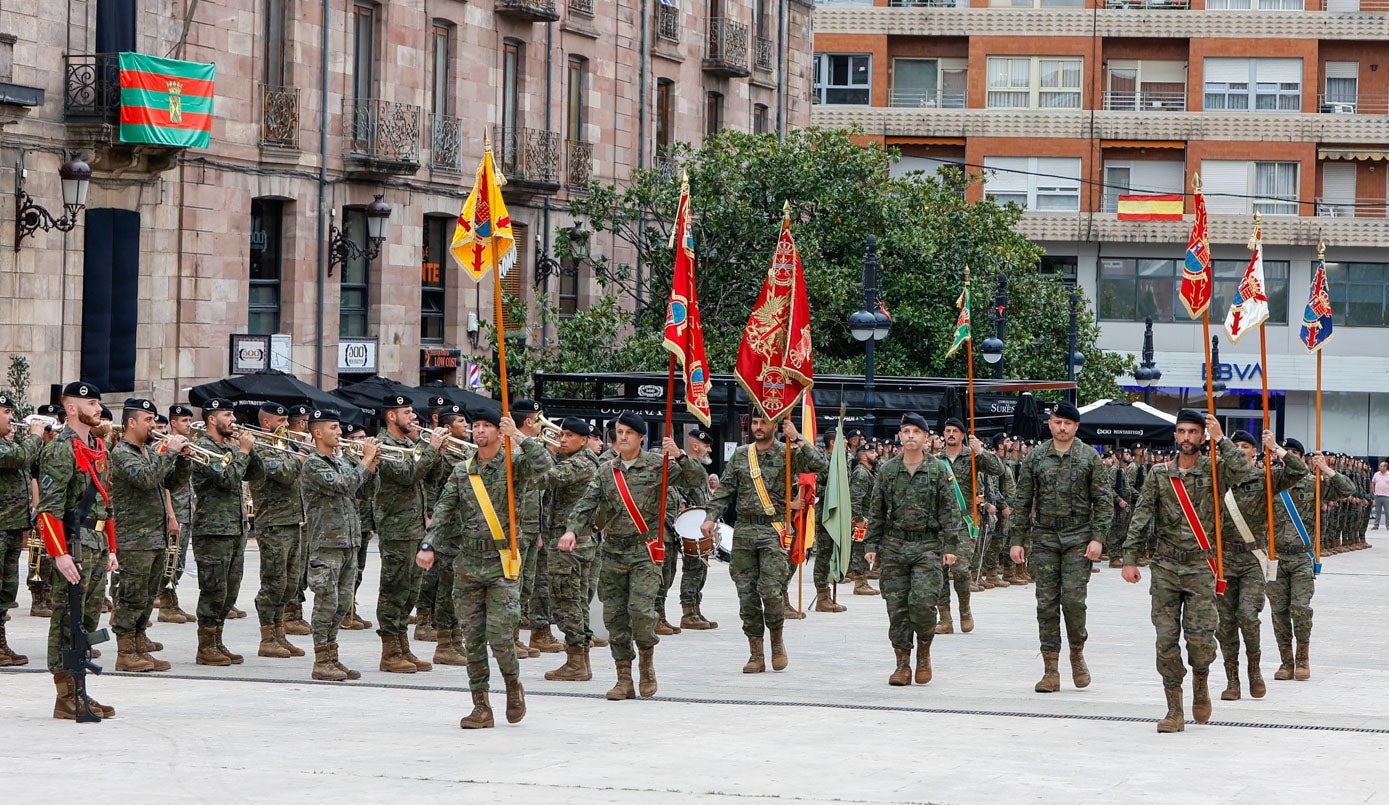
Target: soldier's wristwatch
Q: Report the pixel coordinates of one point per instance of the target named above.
(425, 546)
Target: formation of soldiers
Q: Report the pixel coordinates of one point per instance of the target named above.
(937, 517)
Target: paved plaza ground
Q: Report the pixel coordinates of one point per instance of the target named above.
(828, 729)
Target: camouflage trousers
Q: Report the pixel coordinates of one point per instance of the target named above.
(185, 538)
(220, 563)
(444, 616)
(332, 577)
(570, 580)
(627, 586)
(11, 544)
(429, 585)
(960, 574)
(1183, 598)
(1290, 598)
(1240, 606)
(361, 566)
(281, 559)
(913, 583)
(400, 584)
(92, 567)
(1058, 563)
(535, 581)
(142, 574)
(760, 571)
(996, 555)
(1114, 540)
(488, 605)
(824, 555)
(593, 572)
(694, 572)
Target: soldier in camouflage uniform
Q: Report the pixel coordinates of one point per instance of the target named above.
(1065, 504)
(1243, 600)
(74, 512)
(41, 590)
(957, 455)
(181, 502)
(1183, 584)
(860, 492)
(575, 466)
(824, 543)
(535, 580)
(294, 611)
(1000, 491)
(15, 461)
(400, 526)
(487, 597)
(139, 480)
(438, 596)
(328, 484)
(366, 518)
(759, 565)
(915, 525)
(693, 571)
(279, 533)
(219, 538)
(1290, 594)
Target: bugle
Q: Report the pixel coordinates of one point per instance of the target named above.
(200, 455)
(36, 554)
(549, 429)
(278, 439)
(35, 422)
(461, 447)
(355, 447)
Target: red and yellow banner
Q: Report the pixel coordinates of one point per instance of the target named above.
(484, 237)
(1166, 207)
(774, 358)
(684, 336)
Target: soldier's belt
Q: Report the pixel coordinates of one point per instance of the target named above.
(624, 542)
(1069, 523)
(485, 545)
(755, 518)
(1231, 546)
(1183, 556)
(93, 524)
(912, 536)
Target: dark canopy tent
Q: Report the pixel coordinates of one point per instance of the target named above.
(1027, 419)
(1122, 422)
(272, 386)
(472, 402)
(371, 393)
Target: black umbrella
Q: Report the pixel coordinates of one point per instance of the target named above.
(952, 404)
(272, 386)
(371, 394)
(1027, 422)
(1123, 422)
(472, 402)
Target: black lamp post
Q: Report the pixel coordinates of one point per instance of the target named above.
(1217, 385)
(342, 248)
(993, 345)
(547, 266)
(29, 217)
(1148, 374)
(1075, 359)
(870, 324)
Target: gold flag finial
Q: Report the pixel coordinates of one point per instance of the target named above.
(486, 140)
(1258, 231)
(1321, 248)
(966, 275)
(1196, 182)
(786, 211)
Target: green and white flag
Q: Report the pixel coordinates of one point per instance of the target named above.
(961, 323)
(166, 101)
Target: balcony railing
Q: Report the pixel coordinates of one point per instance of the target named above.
(445, 142)
(382, 130)
(928, 3)
(528, 10)
(529, 156)
(1336, 104)
(279, 116)
(1160, 5)
(580, 165)
(667, 23)
(92, 86)
(582, 7)
(1352, 208)
(928, 98)
(1145, 101)
(726, 52)
(762, 54)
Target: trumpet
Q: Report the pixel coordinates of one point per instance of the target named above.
(199, 455)
(36, 421)
(278, 439)
(549, 430)
(36, 554)
(171, 562)
(453, 444)
(355, 448)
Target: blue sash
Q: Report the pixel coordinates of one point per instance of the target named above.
(1301, 528)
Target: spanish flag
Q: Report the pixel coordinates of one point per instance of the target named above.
(483, 237)
(1151, 208)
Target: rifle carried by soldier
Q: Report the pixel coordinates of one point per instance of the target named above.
(75, 659)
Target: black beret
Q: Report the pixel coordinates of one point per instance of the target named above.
(106, 413)
(1066, 410)
(5, 402)
(953, 421)
(325, 415)
(863, 448)
(300, 411)
(52, 410)
(577, 426)
(525, 407)
(856, 432)
(1294, 444)
(1191, 417)
(274, 409)
(1243, 436)
(915, 420)
(216, 404)
(178, 409)
(160, 419)
(999, 439)
(396, 401)
(137, 404)
(632, 420)
(83, 390)
(453, 411)
(438, 402)
(491, 415)
(702, 435)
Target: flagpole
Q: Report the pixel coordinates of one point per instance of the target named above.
(1316, 565)
(501, 358)
(969, 364)
(1215, 456)
(665, 459)
(1256, 243)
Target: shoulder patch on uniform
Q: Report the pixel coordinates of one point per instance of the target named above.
(46, 482)
(328, 475)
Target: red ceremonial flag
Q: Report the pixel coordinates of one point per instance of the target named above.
(1196, 272)
(774, 359)
(684, 332)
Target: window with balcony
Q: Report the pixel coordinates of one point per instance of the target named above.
(1342, 88)
(355, 288)
(274, 70)
(279, 121)
(446, 130)
(843, 79)
(363, 51)
(1036, 82)
(1131, 289)
(713, 113)
(1338, 190)
(579, 149)
(1254, 5)
(1360, 292)
(1145, 86)
(512, 65)
(267, 219)
(1040, 184)
(1140, 177)
(1037, 3)
(1270, 188)
(1263, 85)
(930, 83)
(433, 261)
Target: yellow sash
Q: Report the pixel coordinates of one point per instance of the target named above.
(511, 567)
(757, 483)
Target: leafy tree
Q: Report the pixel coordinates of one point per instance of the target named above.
(18, 377)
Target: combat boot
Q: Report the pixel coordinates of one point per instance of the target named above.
(543, 640)
(691, 619)
(923, 661)
(1020, 577)
(1200, 697)
(1001, 580)
(902, 676)
(1175, 720)
(145, 647)
(1257, 688)
(235, 614)
(779, 660)
(65, 706)
(663, 626)
(515, 700)
(757, 662)
(39, 609)
(987, 582)
(1051, 677)
(966, 618)
(1116, 562)
(573, 669)
(168, 608)
(944, 625)
(7, 654)
(522, 650)
(269, 646)
(623, 689)
(1231, 692)
(208, 652)
(791, 612)
(862, 587)
(127, 658)
(646, 664)
(1303, 670)
(449, 649)
(323, 667)
(358, 622)
(424, 626)
(823, 602)
(1080, 672)
(351, 674)
(404, 644)
(294, 621)
(1285, 670)
(392, 660)
(294, 651)
(481, 717)
(236, 659)
(598, 642)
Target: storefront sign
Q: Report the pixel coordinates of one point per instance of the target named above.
(1235, 371)
(249, 353)
(357, 356)
(440, 359)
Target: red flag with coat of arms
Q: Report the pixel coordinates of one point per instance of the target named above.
(774, 358)
(684, 336)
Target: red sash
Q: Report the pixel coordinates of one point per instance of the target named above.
(802, 519)
(653, 545)
(1194, 523)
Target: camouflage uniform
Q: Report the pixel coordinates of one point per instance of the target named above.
(693, 572)
(15, 461)
(139, 478)
(629, 580)
(860, 494)
(400, 525)
(329, 486)
(913, 522)
(366, 515)
(486, 603)
(436, 590)
(759, 565)
(184, 502)
(219, 535)
(570, 571)
(1182, 587)
(279, 532)
(1065, 500)
(1290, 594)
(1001, 491)
(986, 464)
(535, 581)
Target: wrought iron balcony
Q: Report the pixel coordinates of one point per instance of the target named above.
(762, 57)
(279, 116)
(529, 158)
(92, 87)
(726, 52)
(528, 10)
(445, 143)
(580, 165)
(581, 7)
(667, 23)
(382, 136)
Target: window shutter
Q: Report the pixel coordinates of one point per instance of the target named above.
(1164, 72)
(1338, 182)
(1283, 71)
(1008, 179)
(1226, 176)
(1343, 69)
(1158, 177)
(1227, 71)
